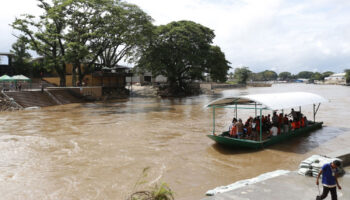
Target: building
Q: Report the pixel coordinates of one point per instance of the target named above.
(338, 79)
(145, 78)
(100, 76)
(7, 68)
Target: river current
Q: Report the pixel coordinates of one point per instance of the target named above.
(99, 150)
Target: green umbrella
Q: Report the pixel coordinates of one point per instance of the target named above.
(5, 78)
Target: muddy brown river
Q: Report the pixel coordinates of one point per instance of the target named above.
(99, 150)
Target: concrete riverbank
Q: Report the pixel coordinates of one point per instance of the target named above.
(289, 186)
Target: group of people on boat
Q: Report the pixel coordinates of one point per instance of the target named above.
(270, 126)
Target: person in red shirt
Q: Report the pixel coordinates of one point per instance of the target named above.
(285, 124)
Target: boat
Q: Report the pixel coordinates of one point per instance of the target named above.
(263, 102)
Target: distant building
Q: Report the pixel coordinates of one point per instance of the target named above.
(145, 78)
(7, 68)
(336, 79)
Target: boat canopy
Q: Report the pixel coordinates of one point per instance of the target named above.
(273, 101)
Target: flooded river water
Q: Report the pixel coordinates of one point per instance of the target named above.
(99, 150)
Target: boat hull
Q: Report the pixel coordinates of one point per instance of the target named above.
(244, 143)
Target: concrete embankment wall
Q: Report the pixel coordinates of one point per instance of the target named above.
(95, 92)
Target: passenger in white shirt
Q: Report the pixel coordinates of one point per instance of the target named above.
(273, 131)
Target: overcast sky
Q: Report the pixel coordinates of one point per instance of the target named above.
(281, 35)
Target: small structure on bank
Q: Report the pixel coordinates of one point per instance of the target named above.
(6, 68)
(338, 78)
(12, 83)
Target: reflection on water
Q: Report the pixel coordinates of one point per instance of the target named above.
(98, 150)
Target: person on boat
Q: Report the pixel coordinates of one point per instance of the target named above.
(285, 124)
(293, 114)
(273, 131)
(305, 121)
(263, 121)
(246, 124)
(293, 125)
(257, 124)
(233, 128)
(329, 179)
(297, 124)
(274, 119)
(302, 122)
(280, 123)
(239, 126)
(249, 128)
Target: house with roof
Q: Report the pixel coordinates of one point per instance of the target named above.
(338, 79)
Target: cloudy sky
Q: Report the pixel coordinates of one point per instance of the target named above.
(281, 35)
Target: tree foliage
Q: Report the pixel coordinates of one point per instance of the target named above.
(316, 77)
(104, 32)
(241, 74)
(216, 64)
(347, 75)
(21, 60)
(178, 51)
(304, 74)
(82, 32)
(285, 76)
(266, 75)
(326, 74)
(45, 34)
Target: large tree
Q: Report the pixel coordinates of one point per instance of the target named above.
(178, 51)
(85, 32)
(45, 34)
(104, 32)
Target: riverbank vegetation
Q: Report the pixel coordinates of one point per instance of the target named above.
(242, 75)
(182, 52)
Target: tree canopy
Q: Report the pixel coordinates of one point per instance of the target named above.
(83, 32)
(182, 51)
(304, 74)
(285, 76)
(347, 75)
(216, 64)
(21, 59)
(241, 74)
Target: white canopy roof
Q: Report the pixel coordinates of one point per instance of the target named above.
(20, 77)
(274, 101)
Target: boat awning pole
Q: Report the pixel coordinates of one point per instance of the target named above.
(236, 110)
(213, 120)
(255, 110)
(260, 125)
(316, 110)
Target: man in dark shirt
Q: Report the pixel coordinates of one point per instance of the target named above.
(329, 179)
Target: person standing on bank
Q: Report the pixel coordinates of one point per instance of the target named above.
(329, 179)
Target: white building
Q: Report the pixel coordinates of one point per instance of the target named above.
(335, 79)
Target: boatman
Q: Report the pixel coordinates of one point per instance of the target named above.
(329, 179)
